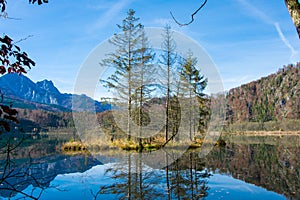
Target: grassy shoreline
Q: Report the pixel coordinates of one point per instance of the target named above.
(78, 146)
(241, 136)
(262, 133)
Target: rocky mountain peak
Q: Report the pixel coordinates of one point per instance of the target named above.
(48, 86)
(21, 87)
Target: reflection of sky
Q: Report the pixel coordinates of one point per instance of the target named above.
(226, 187)
(77, 185)
(80, 185)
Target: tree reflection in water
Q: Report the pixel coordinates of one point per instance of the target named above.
(133, 179)
(25, 162)
(269, 162)
(189, 182)
(17, 176)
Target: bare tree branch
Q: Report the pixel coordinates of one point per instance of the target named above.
(185, 24)
(23, 39)
(24, 174)
(5, 16)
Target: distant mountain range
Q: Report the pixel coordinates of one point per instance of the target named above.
(272, 98)
(24, 93)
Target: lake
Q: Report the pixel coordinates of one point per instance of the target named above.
(248, 167)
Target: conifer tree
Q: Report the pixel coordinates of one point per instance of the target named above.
(124, 60)
(142, 82)
(168, 60)
(193, 84)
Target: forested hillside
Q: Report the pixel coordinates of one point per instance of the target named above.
(42, 120)
(271, 98)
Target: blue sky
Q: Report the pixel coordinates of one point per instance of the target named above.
(246, 39)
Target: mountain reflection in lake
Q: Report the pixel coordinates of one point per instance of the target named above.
(247, 168)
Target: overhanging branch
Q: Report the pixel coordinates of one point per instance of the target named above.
(185, 24)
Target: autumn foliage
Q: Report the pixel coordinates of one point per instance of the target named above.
(271, 98)
(12, 60)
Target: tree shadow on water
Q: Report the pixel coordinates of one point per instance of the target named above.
(133, 179)
(17, 174)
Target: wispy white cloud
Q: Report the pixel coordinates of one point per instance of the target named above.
(162, 21)
(286, 42)
(233, 81)
(262, 16)
(239, 80)
(229, 82)
(100, 5)
(255, 11)
(110, 14)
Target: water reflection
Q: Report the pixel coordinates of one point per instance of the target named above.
(24, 163)
(188, 181)
(132, 180)
(274, 166)
(38, 170)
(135, 180)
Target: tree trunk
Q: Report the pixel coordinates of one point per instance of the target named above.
(293, 7)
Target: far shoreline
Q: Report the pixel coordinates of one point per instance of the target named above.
(262, 133)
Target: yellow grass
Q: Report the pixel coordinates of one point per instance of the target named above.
(265, 133)
(74, 146)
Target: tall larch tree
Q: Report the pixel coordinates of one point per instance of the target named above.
(193, 84)
(142, 81)
(168, 60)
(124, 59)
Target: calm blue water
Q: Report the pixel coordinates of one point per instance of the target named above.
(84, 185)
(226, 187)
(237, 171)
